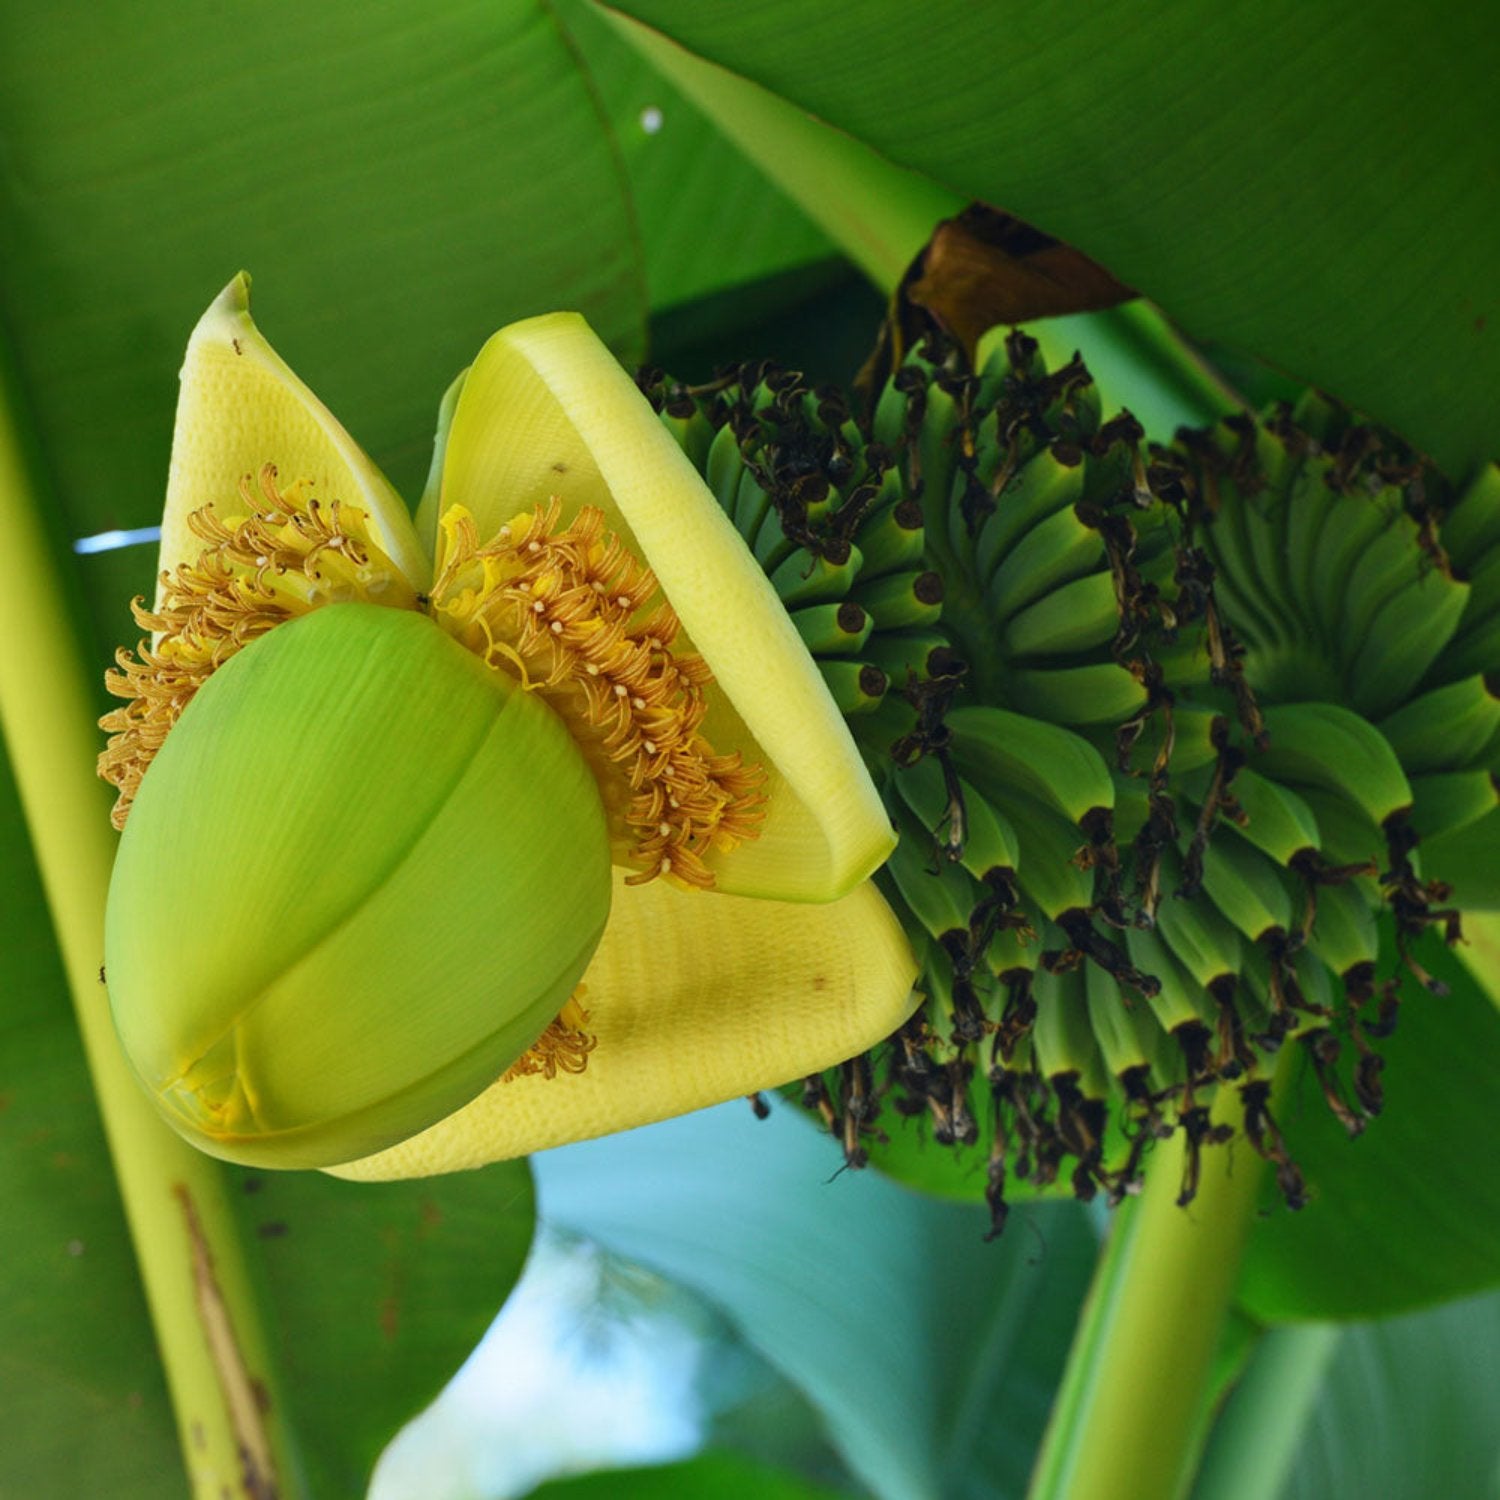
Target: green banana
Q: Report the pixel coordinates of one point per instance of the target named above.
(1099, 693)
(1343, 933)
(1074, 617)
(936, 457)
(1179, 1000)
(1272, 817)
(771, 545)
(724, 467)
(1065, 1045)
(992, 847)
(1329, 746)
(889, 424)
(1476, 643)
(751, 505)
(1348, 835)
(803, 577)
(1446, 803)
(1012, 951)
(1352, 532)
(981, 840)
(999, 749)
(1054, 552)
(1392, 659)
(907, 654)
(1472, 526)
(1197, 736)
(1052, 877)
(833, 629)
(1447, 728)
(690, 429)
(1129, 1038)
(902, 601)
(1238, 582)
(1132, 807)
(1309, 506)
(1247, 888)
(1205, 942)
(1047, 483)
(856, 686)
(1384, 567)
(891, 540)
(936, 891)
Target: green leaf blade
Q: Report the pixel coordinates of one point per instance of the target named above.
(1251, 171)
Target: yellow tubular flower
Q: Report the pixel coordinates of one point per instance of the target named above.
(373, 777)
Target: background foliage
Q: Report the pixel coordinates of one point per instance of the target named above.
(1309, 192)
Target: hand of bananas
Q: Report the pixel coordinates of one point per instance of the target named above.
(1164, 731)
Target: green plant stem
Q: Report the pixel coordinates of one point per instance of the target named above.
(1126, 1422)
(881, 215)
(234, 1439)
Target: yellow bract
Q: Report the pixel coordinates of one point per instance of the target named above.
(240, 406)
(546, 411)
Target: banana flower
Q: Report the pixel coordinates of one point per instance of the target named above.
(452, 839)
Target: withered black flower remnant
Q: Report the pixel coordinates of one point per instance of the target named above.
(1170, 735)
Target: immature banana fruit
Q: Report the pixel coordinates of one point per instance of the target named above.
(1168, 735)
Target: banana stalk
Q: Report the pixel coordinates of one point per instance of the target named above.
(208, 1329)
(1165, 1283)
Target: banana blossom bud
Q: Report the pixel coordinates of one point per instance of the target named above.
(449, 840)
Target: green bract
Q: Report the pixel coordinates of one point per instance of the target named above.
(317, 889)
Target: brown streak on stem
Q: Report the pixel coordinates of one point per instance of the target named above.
(244, 1396)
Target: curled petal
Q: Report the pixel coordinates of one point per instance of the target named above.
(241, 407)
(545, 411)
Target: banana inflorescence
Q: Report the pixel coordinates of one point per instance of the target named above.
(1168, 734)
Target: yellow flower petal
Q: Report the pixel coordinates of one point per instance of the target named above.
(240, 407)
(545, 410)
(694, 1000)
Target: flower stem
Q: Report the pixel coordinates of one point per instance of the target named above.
(181, 1220)
(1126, 1422)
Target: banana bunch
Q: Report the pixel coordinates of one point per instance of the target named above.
(1164, 733)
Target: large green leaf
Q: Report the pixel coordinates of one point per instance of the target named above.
(932, 1355)
(1307, 183)
(85, 1405)
(1408, 1410)
(400, 181)
(371, 1295)
(374, 1295)
(1409, 1213)
(708, 218)
(725, 1476)
(1403, 1409)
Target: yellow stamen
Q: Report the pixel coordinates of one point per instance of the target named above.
(563, 1047)
(570, 605)
(289, 555)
